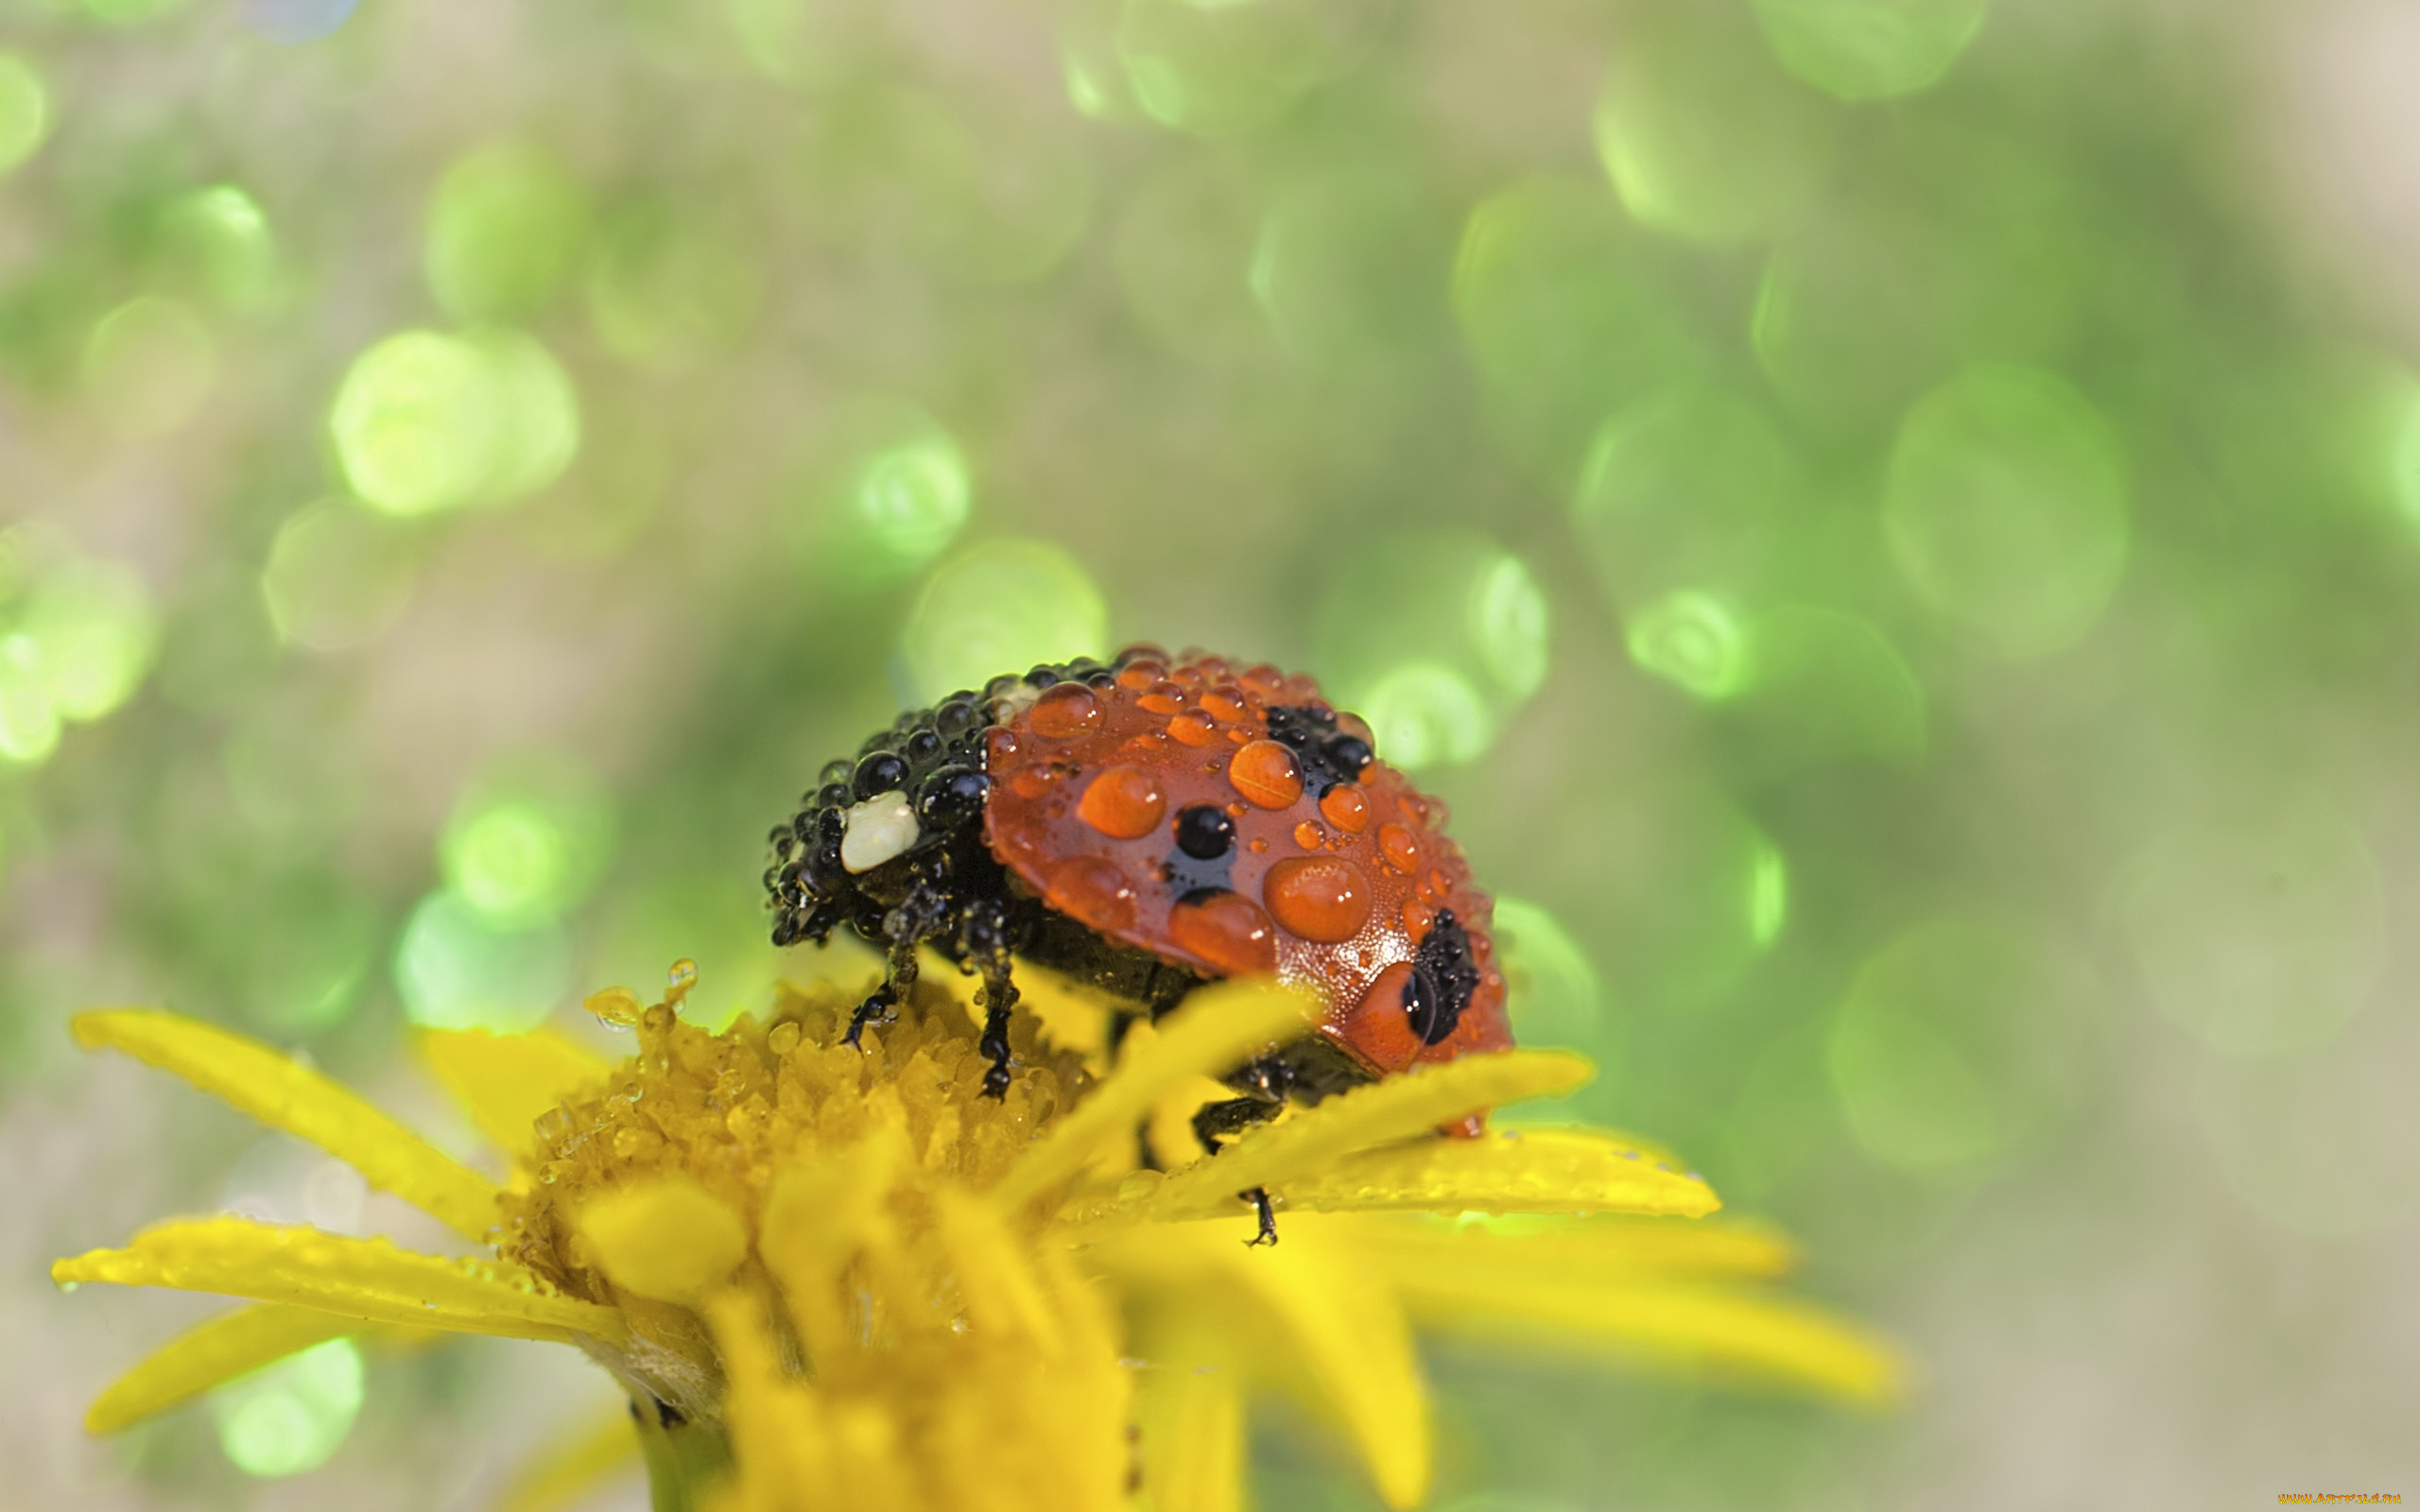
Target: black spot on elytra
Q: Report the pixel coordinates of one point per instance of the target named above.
(1443, 976)
(1326, 755)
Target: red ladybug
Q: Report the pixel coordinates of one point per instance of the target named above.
(1147, 825)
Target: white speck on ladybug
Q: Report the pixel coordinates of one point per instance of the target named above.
(878, 829)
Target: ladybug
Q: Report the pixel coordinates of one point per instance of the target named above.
(1145, 826)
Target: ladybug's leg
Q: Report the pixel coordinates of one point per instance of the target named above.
(1218, 1122)
(983, 940)
(898, 980)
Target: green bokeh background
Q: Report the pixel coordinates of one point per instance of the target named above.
(1894, 524)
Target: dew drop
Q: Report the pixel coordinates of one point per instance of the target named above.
(1123, 802)
(1065, 711)
(617, 1008)
(1322, 898)
(1309, 835)
(1193, 728)
(1226, 930)
(1400, 847)
(1264, 772)
(679, 981)
(1093, 892)
(1345, 808)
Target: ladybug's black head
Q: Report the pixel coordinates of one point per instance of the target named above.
(907, 810)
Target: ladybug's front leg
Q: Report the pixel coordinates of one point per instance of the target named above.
(984, 939)
(921, 914)
(898, 980)
(1215, 1122)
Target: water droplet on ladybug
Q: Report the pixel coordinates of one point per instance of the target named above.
(1123, 802)
(1264, 772)
(1065, 711)
(1309, 835)
(1417, 916)
(1137, 675)
(1193, 728)
(1225, 705)
(878, 773)
(1226, 930)
(1092, 890)
(1321, 898)
(1346, 809)
(1163, 698)
(1400, 847)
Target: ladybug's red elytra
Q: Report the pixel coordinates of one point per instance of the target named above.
(1146, 826)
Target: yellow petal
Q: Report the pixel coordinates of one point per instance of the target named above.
(1192, 1423)
(285, 1094)
(1311, 1143)
(1340, 1323)
(1506, 1170)
(228, 1345)
(365, 1278)
(564, 1472)
(1731, 1331)
(1003, 1295)
(503, 1081)
(1571, 1252)
(665, 1237)
(1218, 1027)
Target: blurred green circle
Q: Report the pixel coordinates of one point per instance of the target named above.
(1562, 320)
(506, 225)
(288, 1417)
(1696, 642)
(911, 499)
(1693, 489)
(426, 422)
(97, 632)
(415, 423)
(1702, 136)
(222, 238)
(337, 576)
(1958, 1042)
(1226, 69)
(527, 840)
(148, 365)
(24, 111)
(1508, 624)
(1000, 607)
(457, 968)
(670, 286)
(2006, 507)
(29, 718)
(1870, 49)
(1427, 715)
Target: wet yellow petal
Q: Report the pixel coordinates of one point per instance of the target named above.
(564, 1472)
(212, 1355)
(665, 1237)
(365, 1278)
(1731, 1331)
(503, 1081)
(1003, 1295)
(1312, 1146)
(1218, 1027)
(1192, 1423)
(1558, 1252)
(1343, 1325)
(285, 1094)
(1507, 1171)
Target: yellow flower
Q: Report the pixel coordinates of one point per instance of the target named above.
(831, 1278)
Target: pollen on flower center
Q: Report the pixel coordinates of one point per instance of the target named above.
(832, 1181)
